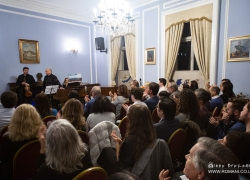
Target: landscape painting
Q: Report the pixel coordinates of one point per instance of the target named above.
(29, 51)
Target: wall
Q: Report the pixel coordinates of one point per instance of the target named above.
(56, 37)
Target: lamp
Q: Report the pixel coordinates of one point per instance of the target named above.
(74, 51)
(114, 18)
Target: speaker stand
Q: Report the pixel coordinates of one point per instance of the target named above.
(104, 51)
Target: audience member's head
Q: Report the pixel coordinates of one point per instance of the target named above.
(136, 94)
(153, 89)
(203, 96)
(8, 99)
(172, 87)
(95, 91)
(184, 86)
(64, 147)
(101, 104)
(163, 94)
(73, 94)
(206, 153)
(134, 83)
(42, 105)
(123, 91)
(25, 123)
(189, 105)
(140, 125)
(166, 108)
(225, 80)
(227, 89)
(194, 85)
(245, 114)
(234, 107)
(162, 82)
(124, 175)
(73, 112)
(214, 91)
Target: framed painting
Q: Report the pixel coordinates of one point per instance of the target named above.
(29, 51)
(238, 48)
(150, 56)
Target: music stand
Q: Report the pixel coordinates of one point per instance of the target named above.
(51, 90)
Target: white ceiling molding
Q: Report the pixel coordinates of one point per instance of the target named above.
(167, 6)
(136, 14)
(143, 3)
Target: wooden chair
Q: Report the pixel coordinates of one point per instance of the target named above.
(92, 173)
(2, 132)
(175, 144)
(47, 119)
(216, 112)
(25, 161)
(123, 113)
(155, 116)
(123, 126)
(84, 136)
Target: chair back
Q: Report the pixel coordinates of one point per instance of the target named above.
(123, 126)
(92, 173)
(2, 132)
(84, 136)
(155, 116)
(216, 112)
(123, 113)
(25, 161)
(48, 119)
(176, 143)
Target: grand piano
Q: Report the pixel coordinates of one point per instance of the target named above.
(83, 90)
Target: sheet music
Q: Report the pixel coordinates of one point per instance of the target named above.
(51, 89)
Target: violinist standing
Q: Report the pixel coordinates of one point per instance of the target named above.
(25, 82)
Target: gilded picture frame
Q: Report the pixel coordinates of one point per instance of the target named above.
(238, 48)
(29, 51)
(150, 57)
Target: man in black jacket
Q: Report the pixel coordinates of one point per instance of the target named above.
(25, 82)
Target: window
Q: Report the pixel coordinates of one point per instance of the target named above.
(186, 58)
(123, 64)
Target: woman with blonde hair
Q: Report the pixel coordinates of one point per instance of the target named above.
(65, 82)
(24, 127)
(63, 155)
(73, 112)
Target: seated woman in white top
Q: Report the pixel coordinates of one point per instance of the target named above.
(120, 98)
(136, 96)
(101, 111)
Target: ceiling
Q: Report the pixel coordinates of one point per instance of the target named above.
(80, 10)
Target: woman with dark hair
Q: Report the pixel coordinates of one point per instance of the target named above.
(188, 107)
(43, 106)
(63, 155)
(73, 112)
(140, 135)
(227, 89)
(101, 111)
(194, 85)
(120, 98)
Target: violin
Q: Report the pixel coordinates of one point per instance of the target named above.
(28, 93)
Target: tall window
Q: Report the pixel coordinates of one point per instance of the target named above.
(186, 58)
(123, 64)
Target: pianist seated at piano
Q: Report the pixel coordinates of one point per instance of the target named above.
(65, 83)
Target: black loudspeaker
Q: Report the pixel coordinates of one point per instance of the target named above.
(99, 43)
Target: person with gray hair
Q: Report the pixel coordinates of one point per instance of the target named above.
(95, 91)
(172, 87)
(208, 156)
(66, 154)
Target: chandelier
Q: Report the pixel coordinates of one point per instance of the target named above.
(114, 18)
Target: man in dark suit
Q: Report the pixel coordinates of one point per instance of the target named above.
(152, 102)
(216, 100)
(166, 109)
(25, 81)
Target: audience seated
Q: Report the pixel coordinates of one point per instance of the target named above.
(172, 87)
(216, 101)
(145, 93)
(118, 99)
(163, 94)
(230, 119)
(184, 86)
(101, 111)
(162, 85)
(73, 94)
(133, 84)
(95, 91)
(239, 144)
(193, 85)
(245, 116)
(205, 152)
(63, 155)
(140, 135)
(73, 112)
(152, 91)
(168, 124)
(24, 127)
(8, 100)
(43, 106)
(124, 175)
(226, 88)
(188, 107)
(136, 96)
